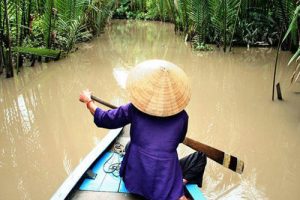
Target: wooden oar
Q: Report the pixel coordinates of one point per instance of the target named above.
(228, 161)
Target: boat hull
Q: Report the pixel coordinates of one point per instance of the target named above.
(91, 179)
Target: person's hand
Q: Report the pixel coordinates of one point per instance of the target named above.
(183, 198)
(184, 181)
(85, 96)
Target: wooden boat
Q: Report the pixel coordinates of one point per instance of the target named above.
(90, 179)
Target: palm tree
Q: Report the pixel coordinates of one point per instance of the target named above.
(199, 18)
(1, 40)
(70, 26)
(9, 67)
(224, 15)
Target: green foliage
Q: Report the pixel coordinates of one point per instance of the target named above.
(224, 14)
(199, 20)
(71, 32)
(46, 24)
(50, 53)
(202, 47)
(163, 10)
(60, 24)
(182, 19)
(39, 29)
(294, 25)
(97, 14)
(284, 10)
(121, 12)
(257, 29)
(67, 22)
(152, 10)
(70, 23)
(127, 10)
(6, 24)
(50, 24)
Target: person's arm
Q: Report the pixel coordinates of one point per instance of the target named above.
(85, 97)
(185, 128)
(91, 106)
(114, 118)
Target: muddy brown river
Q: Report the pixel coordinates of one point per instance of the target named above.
(46, 131)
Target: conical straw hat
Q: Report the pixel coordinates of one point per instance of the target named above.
(159, 88)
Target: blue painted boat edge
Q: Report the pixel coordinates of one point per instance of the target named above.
(195, 192)
(67, 186)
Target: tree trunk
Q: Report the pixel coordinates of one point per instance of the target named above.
(9, 67)
(17, 34)
(22, 32)
(29, 17)
(1, 43)
(1, 58)
(225, 25)
(50, 24)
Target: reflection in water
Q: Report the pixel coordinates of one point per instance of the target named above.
(67, 163)
(45, 131)
(120, 74)
(26, 116)
(22, 190)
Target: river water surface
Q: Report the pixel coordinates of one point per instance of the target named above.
(45, 131)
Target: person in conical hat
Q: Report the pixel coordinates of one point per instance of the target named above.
(158, 91)
(158, 88)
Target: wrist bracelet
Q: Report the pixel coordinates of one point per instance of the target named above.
(88, 103)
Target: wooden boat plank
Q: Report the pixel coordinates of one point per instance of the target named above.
(90, 195)
(110, 182)
(76, 175)
(93, 184)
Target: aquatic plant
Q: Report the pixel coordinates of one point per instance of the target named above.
(199, 20)
(182, 19)
(70, 27)
(97, 14)
(224, 18)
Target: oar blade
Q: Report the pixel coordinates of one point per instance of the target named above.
(233, 163)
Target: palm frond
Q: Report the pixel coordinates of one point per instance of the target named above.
(224, 13)
(199, 19)
(294, 25)
(97, 14)
(47, 22)
(183, 15)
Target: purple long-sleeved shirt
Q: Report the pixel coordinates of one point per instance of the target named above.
(150, 167)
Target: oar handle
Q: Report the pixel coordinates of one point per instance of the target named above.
(220, 157)
(103, 102)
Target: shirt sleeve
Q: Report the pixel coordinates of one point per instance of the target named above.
(185, 128)
(115, 118)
